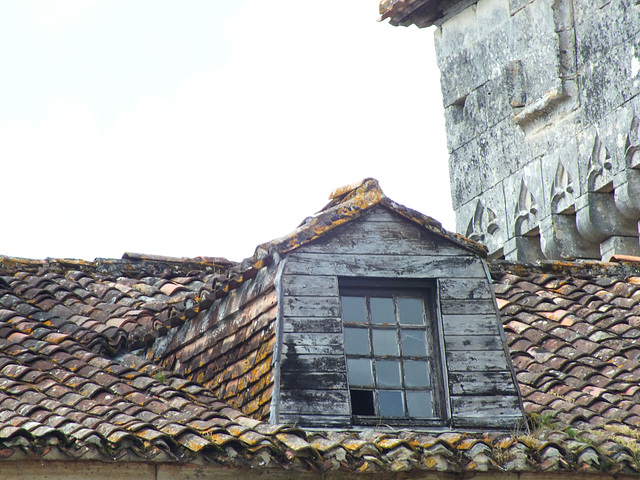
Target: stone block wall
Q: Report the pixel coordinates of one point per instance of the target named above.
(543, 114)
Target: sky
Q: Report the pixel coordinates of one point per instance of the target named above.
(206, 127)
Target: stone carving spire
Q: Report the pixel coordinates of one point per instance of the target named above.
(483, 220)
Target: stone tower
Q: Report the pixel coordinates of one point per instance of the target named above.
(542, 112)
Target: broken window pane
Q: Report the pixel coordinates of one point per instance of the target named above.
(362, 402)
(385, 342)
(413, 343)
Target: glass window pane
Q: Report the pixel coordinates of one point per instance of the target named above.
(385, 342)
(388, 373)
(414, 343)
(416, 373)
(382, 311)
(390, 403)
(411, 311)
(356, 341)
(359, 372)
(419, 404)
(354, 310)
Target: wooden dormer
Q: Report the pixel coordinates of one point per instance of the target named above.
(368, 314)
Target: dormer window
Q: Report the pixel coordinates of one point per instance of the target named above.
(392, 350)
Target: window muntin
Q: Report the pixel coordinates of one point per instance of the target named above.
(392, 351)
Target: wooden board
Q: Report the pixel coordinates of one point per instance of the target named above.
(312, 325)
(470, 325)
(481, 383)
(309, 285)
(472, 342)
(477, 361)
(384, 266)
(327, 402)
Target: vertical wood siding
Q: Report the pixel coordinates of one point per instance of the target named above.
(314, 391)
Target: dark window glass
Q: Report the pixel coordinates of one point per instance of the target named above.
(356, 341)
(388, 373)
(382, 311)
(354, 310)
(410, 311)
(390, 403)
(360, 373)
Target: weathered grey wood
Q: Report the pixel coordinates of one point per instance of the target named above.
(312, 325)
(327, 402)
(378, 234)
(466, 307)
(311, 380)
(477, 361)
(311, 285)
(472, 342)
(313, 343)
(389, 266)
(311, 306)
(318, 421)
(481, 383)
(472, 406)
(464, 289)
(313, 363)
(470, 325)
(508, 421)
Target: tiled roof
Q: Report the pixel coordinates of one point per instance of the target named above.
(64, 390)
(574, 336)
(75, 382)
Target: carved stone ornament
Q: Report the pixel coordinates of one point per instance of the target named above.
(632, 145)
(562, 192)
(526, 214)
(600, 176)
(484, 221)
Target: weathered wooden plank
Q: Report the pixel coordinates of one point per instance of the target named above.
(472, 342)
(477, 361)
(390, 266)
(481, 383)
(319, 421)
(311, 306)
(327, 402)
(466, 307)
(312, 325)
(470, 325)
(510, 421)
(329, 380)
(311, 285)
(475, 406)
(213, 471)
(464, 289)
(313, 363)
(384, 235)
(313, 343)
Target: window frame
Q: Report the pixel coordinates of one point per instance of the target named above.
(427, 290)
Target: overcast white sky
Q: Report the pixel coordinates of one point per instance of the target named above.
(206, 127)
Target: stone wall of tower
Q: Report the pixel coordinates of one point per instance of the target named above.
(542, 109)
